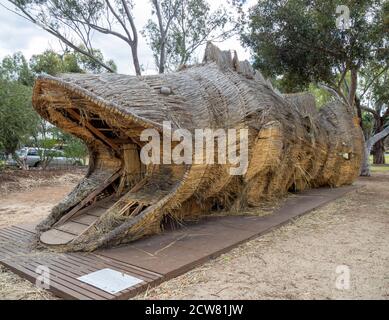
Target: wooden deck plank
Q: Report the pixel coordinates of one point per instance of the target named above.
(152, 275)
(55, 287)
(30, 227)
(68, 268)
(63, 279)
(17, 232)
(14, 250)
(12, 233)
(86, 219)
(130, 271)
(56, 237)
(66, 258)
(135, 271)
(70, 282)
(97, 211)
(106, 205)
(71, 278)
(72, 227)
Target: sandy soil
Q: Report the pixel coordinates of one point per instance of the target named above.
(297, 261)
(28, 197)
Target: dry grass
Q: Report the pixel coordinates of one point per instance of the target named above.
(18, 180)
(12, 287)
(35, 195)
(383, 168)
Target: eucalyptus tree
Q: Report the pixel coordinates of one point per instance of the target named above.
(74, 22)
(300, 42)
(179, 27)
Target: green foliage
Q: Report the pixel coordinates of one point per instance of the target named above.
(75, 22)
(48, 62)
(322, 96)
(53, 63)
(375, 96)
(298, 40)
(19, 123)
(380, 94)
(16, 68)
(192, 24)
(88, 65)
(385, 15)
(75, 149)
(367, 124)
(46, 151)
(17, 118)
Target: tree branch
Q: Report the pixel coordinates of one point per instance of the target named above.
(373, 80)
(379, 136)
(335, 92)
(372, 111)
(119, 20)
(57, 34)
(131, 20)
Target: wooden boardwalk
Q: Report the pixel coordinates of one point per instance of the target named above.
(16, 253)
(153, 260)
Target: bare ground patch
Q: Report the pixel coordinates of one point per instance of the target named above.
(23, 180)
(37, 192)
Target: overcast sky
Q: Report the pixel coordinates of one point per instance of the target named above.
(17, 34)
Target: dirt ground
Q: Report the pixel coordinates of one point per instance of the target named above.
(28, 196)
(296, 261)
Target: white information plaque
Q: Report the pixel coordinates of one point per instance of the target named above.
(110, 280)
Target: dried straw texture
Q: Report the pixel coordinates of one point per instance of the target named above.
(292, 145)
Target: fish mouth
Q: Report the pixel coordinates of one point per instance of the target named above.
(120, 199)
(86, 115)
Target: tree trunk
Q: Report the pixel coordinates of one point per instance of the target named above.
(359, 111)
(162, 56)
(21, 162)
(379, 152)
(135, 59)
(162, 32)
(365, 170)
(379, 148)
(353, 88)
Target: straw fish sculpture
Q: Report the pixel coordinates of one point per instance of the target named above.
(291, 146)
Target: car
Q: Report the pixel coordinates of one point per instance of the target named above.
(35, 157)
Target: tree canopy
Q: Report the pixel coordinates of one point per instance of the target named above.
(182, 26)
(17, 118)
(342, 46)
(16, 68)
(177, 29)
(74, 22)
(300, 42)
(53, 63)
(19, 123)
